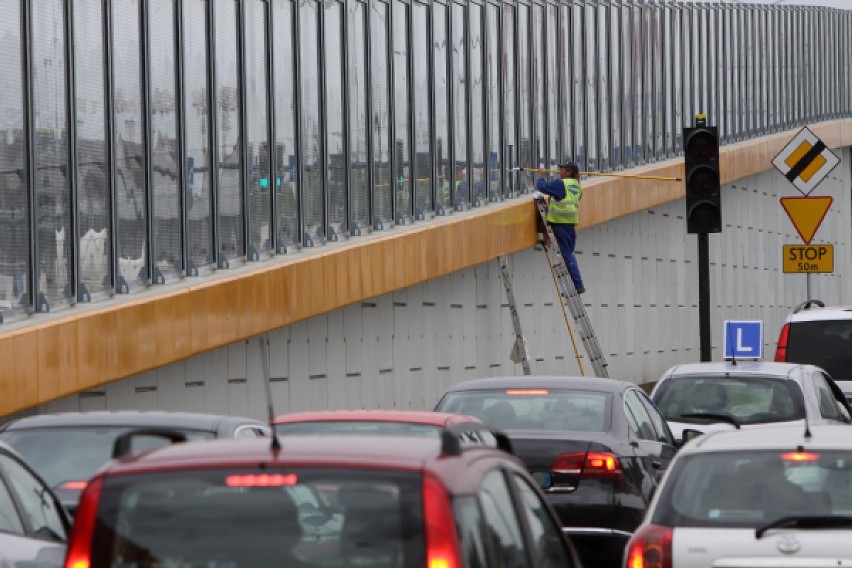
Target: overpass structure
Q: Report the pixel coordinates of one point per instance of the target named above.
(179, 177)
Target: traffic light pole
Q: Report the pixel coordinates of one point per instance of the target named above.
(704, 296)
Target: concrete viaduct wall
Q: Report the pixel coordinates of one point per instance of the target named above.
(403, 348)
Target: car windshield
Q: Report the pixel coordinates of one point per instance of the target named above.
(75, 454)
(826, 344)
(533, 409)
(261, 518)
(747, 399)
(370, 427)
(755, 487)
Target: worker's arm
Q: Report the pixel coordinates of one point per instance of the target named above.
(554, 188)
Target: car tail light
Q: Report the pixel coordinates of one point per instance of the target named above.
(650, 547)
(80, 545)
(261, 480)
(76, 485)
(591, 464)
(781, 350)
(799, 456)
(442, 544)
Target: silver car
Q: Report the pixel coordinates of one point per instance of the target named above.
(752, 498)
(33, 525)
(707, 397)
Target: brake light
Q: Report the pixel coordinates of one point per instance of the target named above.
(592, 464)
(83, 531)
(261, 480)
(527, 391)
(800, 456)
(78, 485)
(650, 547)
(442, 545)
(781, 350)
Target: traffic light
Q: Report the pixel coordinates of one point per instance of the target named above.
(703, 192)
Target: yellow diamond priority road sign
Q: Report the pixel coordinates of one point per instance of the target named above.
(805, 161)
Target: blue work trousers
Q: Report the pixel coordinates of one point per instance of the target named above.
(566, 238)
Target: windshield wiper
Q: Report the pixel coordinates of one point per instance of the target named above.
(727, 418)
(806, 522)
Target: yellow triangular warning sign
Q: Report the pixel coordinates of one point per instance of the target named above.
(806, 213)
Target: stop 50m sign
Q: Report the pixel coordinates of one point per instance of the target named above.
(808, 258)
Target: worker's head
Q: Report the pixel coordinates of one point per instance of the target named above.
(460, 173)
(569, 170)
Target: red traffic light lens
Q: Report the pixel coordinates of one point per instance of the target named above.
(702, 145)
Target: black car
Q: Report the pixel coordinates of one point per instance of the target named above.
(597, 447)
(33, 526)
(67, 448)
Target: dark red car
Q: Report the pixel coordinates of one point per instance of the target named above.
(379, 501)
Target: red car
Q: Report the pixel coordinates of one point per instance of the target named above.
(396, 422)
(345, 501)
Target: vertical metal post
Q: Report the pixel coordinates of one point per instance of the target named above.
(213, 118)
(242, 23)
(180, 102)
(704, 296)
(78, 291)
(29, 136)
(109, 120)
(275, 244)
(145, 88)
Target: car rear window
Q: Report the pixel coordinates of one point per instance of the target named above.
(755, 487)
(533, 408)
(359, 427)
(260, 518)
(824, 343)
(75, 454)
(747, 399)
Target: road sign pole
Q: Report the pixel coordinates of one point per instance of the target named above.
(704, 296)
(808, 286)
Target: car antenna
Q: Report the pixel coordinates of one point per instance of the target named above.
(807, 425)
(264, 360)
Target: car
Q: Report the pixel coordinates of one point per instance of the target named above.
(397, 422)
(597, 447)
(381, 501)
(759, 497)
(818, 335)
(711, 396)
(33, 525)
(66, 448)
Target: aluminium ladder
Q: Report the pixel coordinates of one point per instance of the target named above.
(520, 354)
(570, 297)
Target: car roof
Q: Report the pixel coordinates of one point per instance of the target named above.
(390, 452)
(404, 416)
(815, 313)
(544, 382)
(825, 436)
(128, 418)
(765, 368)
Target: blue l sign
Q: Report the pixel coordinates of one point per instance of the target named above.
(743, 339)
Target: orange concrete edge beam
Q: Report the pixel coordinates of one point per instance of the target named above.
(92, 345)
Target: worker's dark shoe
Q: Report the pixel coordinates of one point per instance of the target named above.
(581, 290)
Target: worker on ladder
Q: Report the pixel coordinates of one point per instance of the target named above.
(562, 215)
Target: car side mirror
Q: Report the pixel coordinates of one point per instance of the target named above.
(689, 434)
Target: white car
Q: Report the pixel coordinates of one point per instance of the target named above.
(714, 396)
(752, 498)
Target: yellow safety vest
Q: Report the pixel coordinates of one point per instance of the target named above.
(565, 210)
